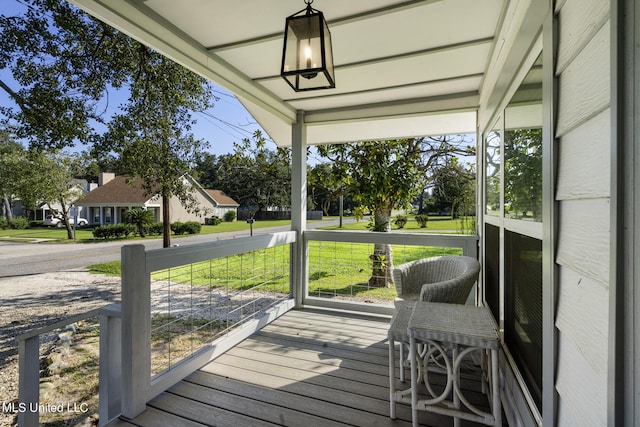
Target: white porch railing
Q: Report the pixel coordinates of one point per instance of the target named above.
(29, 353)
(190, 320)
(171, 321)
(330, 252)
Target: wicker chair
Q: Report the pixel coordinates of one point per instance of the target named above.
(447, 279)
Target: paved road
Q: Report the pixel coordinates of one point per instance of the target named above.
(21, 259)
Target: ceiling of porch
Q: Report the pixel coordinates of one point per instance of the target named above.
(402, 68)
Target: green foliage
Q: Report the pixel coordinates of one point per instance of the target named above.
(253, 174)
(114, 231)
(142, 219)
(230, 216)
(215, 220)
(60, 63)
(523, 172)
(190, 227)
(4, 223)
(358, 212)
(18, 223)
(400, 221)
(155, 229)
(422, 220)
(454, 187)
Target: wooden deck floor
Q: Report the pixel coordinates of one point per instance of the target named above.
(308, 368)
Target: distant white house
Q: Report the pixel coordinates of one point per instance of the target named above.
(114, 196)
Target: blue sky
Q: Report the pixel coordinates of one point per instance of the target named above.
(227, 122)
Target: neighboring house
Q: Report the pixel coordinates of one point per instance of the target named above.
(109, 203)
(79, 187)
(224, 203)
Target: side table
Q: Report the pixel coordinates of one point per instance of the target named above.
(451, 332)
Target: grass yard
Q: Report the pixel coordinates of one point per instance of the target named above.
(85, 234)
(434, 225)
(335, 270)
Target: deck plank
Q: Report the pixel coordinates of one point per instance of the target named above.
(308, 368)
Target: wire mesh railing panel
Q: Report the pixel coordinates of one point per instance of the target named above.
(362, 272)
(192, 305)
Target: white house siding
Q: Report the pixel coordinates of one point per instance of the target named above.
(583, 129)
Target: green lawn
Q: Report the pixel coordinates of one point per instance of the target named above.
(435, 224)
(85, 235)
(335, 270)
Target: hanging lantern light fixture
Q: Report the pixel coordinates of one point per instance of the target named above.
(307, 58)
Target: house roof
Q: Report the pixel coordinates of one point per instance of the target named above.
(402, 68)
(117, 191)
(222, 199)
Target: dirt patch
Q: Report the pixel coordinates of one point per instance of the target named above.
(31, 302)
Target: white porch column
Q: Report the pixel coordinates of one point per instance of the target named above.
(299, 208)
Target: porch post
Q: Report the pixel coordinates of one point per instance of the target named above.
(299, 209)
(549, 223)
(623, 399)
(136, 330)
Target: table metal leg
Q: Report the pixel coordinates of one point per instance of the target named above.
(495, 380)
(392, 378)
(414, 382)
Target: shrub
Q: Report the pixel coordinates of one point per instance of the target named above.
(18, 223)
(176, 227)
(142, 219)
(230, 216)
(422, 220)
(191, 227)
(214, 220)
(155, 229)
(4, 224)
(400, 221)
(113, 231)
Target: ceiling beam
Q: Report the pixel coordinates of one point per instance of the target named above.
(467, 101)
(331, 23)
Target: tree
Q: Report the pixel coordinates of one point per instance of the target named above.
(11, 154)
(142, 219)
(523, 171)
(253, 175)
(328, 186)
(61, 63)
(453, 187)
(384, 175)
(49, 177)
(152, 136)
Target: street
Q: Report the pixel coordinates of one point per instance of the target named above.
(22, 259)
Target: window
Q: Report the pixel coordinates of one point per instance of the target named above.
(523, 149)
(523, 308)
(493, 165)
(513, 226)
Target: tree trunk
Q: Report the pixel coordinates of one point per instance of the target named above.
(166, 223)
(6, 209)
(382, 257)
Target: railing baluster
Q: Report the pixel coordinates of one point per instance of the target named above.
(29, 380)
(136, 330)
(110, 385)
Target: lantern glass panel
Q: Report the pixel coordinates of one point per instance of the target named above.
(306, 56)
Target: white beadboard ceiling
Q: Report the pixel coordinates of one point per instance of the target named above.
(402, 68)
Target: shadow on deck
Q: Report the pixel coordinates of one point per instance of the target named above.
(308, 368)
